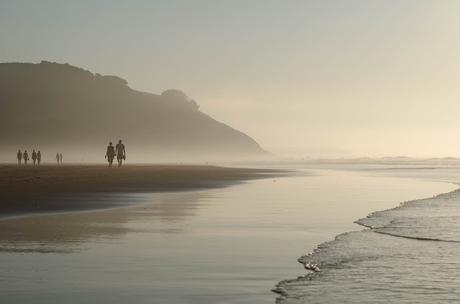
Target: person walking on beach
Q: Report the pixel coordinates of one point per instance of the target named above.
(60, 158)
(57, 158)
(19, 156)
(110, 154)
(34, 156)
(39, 157)
(121, 152)
(25, 156)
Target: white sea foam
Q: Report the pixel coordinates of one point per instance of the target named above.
(410, 254)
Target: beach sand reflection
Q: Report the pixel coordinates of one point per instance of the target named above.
(67, 232)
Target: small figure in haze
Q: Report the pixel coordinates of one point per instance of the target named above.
(57, 158)
(60, 158)
(19, 156)
(25, 156)
(121, 152)
(34, 156)
(110, 154)
(39, 157)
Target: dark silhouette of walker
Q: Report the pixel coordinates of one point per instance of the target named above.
(25, 156)
(110, 154)
(39, 157)
(19, 156)
(121, 153)
(34, 157)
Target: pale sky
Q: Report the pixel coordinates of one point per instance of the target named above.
(304, 78)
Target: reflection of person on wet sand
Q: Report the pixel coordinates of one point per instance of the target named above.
(121, 153)
(19, 156)
(110, 154)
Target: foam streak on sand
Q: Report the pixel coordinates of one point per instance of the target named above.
(25, 190)
(409, 254)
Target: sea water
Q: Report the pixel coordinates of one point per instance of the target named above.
(409, 254)
(234, 244)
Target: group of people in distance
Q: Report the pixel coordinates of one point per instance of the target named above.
(24, 156)
(119, 150)
(59, 158)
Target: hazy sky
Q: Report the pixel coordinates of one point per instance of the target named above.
(304, 78)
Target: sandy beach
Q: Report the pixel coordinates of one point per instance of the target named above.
(65, 188)
(210, 245)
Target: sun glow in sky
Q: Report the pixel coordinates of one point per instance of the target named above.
(303, 78)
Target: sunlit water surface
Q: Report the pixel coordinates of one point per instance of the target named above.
(229, 245)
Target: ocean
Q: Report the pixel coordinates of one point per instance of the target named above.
(407, 254)
(237, 244)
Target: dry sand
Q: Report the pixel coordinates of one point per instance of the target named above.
(29, 189)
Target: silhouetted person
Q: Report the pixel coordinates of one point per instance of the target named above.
(39, 157)
(60, 157)
(110, 153)
(34, 156)
(121, 152)
(19, 156)
(57, 158)
(25, 156)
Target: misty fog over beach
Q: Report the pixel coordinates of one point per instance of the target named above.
(243, 152)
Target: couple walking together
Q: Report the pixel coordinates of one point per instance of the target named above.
(118, 150)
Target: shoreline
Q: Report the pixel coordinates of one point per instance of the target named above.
(246, 234)
(49, 188)
(312, 266)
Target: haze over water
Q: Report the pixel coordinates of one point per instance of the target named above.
(228, 245)
(308, 78)
(343, 89)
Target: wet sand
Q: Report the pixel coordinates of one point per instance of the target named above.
(29, 189)
(212, 246)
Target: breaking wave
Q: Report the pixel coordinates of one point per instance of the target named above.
(409, 254)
